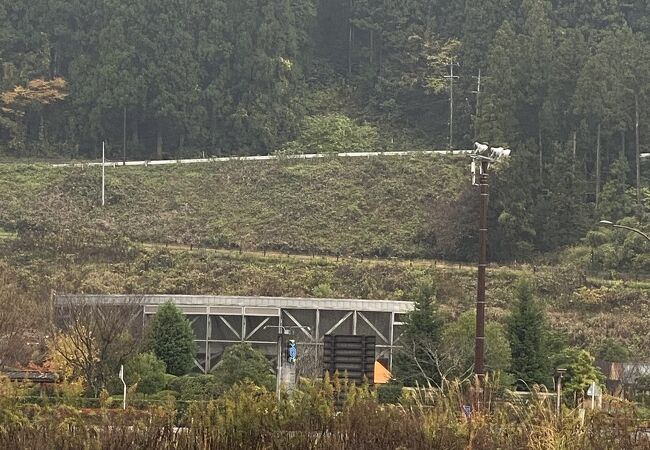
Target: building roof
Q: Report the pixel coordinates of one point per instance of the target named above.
(33, 376)
(228, 300)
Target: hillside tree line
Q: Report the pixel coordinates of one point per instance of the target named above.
(564, 83)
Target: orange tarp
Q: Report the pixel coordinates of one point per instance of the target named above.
(382, 375)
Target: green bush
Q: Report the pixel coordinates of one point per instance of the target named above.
(172, 340)
(241, 362)
(147, 371)
(389, 393)
(197, 387)
(333, 133)
(580, 371)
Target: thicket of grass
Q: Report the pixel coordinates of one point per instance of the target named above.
(376, 206)
(248, 417)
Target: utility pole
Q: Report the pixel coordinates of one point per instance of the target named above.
(103, 171)
(482, 156)
(350, 41)
(638, 153)
(124, 139)
(575, 148)
(479, 344)
(598, 165)
(478, 110)
(278, 375)
(451, 77)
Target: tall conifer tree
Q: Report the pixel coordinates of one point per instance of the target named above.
(526, 331)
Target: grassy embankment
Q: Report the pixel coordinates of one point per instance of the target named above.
(378, 206)
(375, 207)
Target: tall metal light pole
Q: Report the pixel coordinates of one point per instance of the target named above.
(479, 345)
(482, 157)
(609, 223)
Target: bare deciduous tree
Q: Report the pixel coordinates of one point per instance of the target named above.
(20, 320)
(94, 337)
(310, 361)
(438, 364)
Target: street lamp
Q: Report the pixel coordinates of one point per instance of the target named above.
(482, 156)
(609, 223)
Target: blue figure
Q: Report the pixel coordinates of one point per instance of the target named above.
(292, 351)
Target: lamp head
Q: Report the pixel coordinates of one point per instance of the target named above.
(484, 151)
(606, 222)
(485, 155)
(481, 149)
(499, 153)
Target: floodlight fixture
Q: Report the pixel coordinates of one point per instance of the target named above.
(480, 149)
(484, 151)
(483, 155)
(498, 153)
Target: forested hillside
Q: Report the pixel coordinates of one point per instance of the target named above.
(563, 83)
(236, 77)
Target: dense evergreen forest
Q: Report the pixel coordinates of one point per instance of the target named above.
(564, 83)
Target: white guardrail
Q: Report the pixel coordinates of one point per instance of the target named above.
(262, 158)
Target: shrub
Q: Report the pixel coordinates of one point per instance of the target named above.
(241, 362)
(147, 371)
(580, 371)
(333, 133)
(389, 393)
(197, 387)
(172, 340)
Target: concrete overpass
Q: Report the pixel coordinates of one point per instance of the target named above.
(219, 321)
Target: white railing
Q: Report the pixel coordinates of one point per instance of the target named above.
(262, 158)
